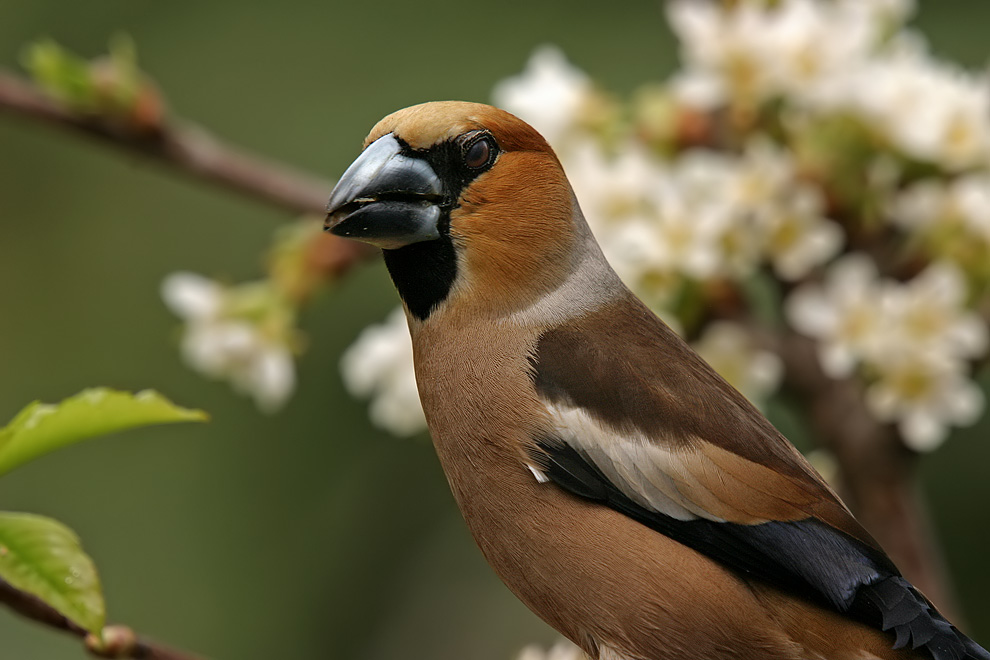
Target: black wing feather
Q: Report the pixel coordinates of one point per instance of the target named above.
(807, 558)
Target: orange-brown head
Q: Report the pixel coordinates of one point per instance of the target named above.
(466, 201)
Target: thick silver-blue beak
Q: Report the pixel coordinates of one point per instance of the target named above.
(386, 198)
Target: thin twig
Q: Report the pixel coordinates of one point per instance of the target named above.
(119, 641)
(194, 152)
(183, 147)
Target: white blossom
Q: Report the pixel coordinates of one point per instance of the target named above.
(192, 296)
(698, 88)
(611, 188)
(267, 374)
(618, 196)
(922, 205)
(913, 341)
(379, 365)
(799, 238)
(930, 203)
(971, 199)
(929, 315)
(548, 95)
(842, 314)
(762, 176)
(922, 379)
(689, 233)
(931, 110)
(925, 394)
(718, 55)
(754, 51)
(702, 230)
(706, 214)
(677, 223)
(731, 352)
(220, 344)
(796, 32)
(790, 223)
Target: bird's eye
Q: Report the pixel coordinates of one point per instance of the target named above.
(480, 152)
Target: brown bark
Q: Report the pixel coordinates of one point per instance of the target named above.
(183, 147)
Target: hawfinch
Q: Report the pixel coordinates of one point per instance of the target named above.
(621, 489)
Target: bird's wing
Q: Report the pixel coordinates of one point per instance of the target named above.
(638, 422)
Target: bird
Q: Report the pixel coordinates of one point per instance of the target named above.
(619, 487)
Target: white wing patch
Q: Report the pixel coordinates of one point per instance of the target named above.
(644, 471)
(540, 477)
(693, 479)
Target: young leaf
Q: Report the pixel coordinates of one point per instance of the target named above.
(64, 76)
(42, 427)
(42, 557)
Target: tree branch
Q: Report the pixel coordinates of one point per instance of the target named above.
(194, 152)
(184, 147)
(118, 641)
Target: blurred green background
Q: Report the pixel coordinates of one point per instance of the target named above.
(308, 534)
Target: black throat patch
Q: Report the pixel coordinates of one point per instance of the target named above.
(423, 273)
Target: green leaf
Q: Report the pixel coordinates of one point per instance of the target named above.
(43, 557)
(64, 76)
(42, 428)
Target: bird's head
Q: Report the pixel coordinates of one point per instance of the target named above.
(467, 202)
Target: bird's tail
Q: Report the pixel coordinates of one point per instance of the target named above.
(898, 608)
